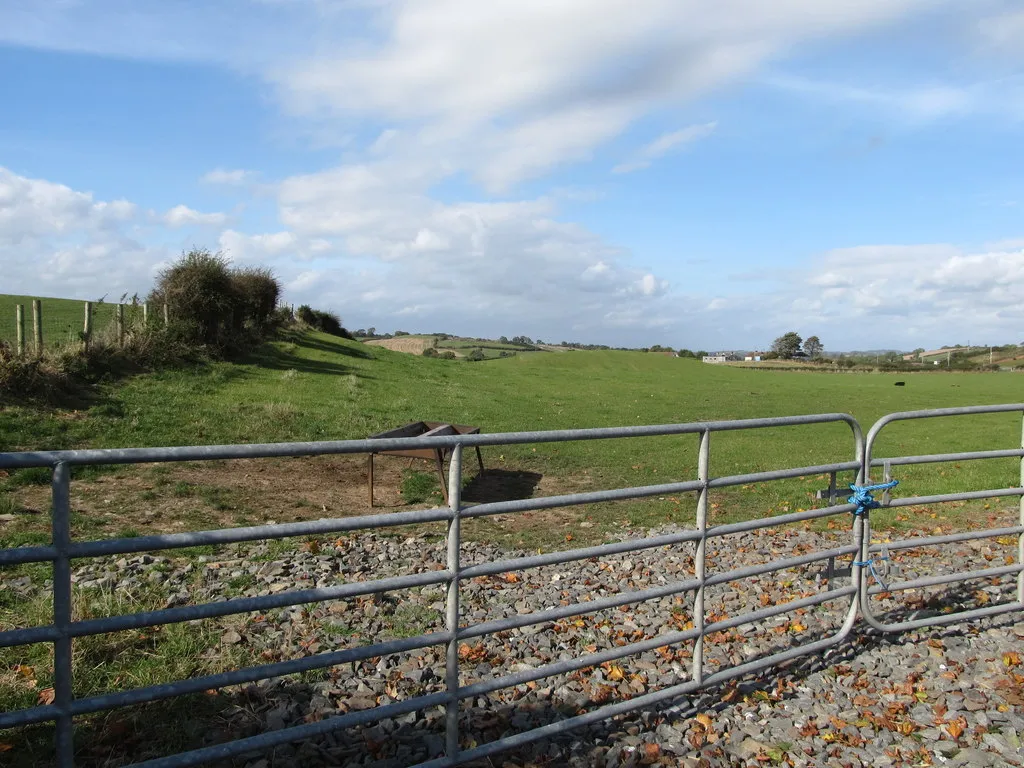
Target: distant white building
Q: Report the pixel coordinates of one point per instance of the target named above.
(752, 358)
(720, 357)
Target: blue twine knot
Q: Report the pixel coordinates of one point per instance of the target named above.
(870, 565)
(862, 496)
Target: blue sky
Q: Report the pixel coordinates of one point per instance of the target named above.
(684, 172)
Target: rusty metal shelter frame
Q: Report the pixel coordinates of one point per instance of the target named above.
(857, 592)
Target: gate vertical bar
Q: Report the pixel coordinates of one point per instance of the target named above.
(62, 687)
(454, 566)
(703, 462)
(1020, 538)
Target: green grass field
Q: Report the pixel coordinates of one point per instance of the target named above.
(317, 387)
(62, 319)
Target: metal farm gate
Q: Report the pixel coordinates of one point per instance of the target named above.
(856, 592)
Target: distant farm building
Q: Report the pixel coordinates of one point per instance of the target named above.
(720, 357)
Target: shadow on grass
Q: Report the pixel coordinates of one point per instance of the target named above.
(500, 485)
(145, 732)
(283, 359)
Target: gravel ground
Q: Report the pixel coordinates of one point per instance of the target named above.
(947, 696)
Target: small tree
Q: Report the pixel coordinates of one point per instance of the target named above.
(787, 345)
(475, 355)
(813, 346)
(199, 292)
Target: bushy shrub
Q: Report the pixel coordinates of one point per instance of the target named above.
(256, 295)
(210, 304)
(199, 295)
(328, 322)
(475, 355)
(430, 352)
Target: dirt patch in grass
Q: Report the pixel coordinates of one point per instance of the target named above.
(171, 498)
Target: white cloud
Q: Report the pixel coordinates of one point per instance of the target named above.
(183, 216)
(224, 177)
(665, 144)
(509, 89)
(900, 296)
(56, 241)
(452, 264)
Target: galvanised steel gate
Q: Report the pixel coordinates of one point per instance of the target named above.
(856, 593)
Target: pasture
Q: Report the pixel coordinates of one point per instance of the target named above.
(311, 386)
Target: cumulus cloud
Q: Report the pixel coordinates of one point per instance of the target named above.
(55, 240)
(663, 145)
(183, 216)
(400, 251)
(890, 296)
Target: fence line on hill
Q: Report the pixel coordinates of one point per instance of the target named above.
(30, 327)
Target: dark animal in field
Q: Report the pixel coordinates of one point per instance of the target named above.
(900, 384)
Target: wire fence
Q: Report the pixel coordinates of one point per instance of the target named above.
(30, 325)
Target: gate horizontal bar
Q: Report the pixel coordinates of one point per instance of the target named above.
(577, 609)
(935, 458)
(931, 541)
(295, 733)
(947, 578)
(103, 547)
(20, 555)
(325, 448)
(249, 604)
(254, 674)
(571, 555)
(946, 618)
(912, 501)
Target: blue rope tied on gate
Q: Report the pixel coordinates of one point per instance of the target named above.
(864, 500)
(870, 565)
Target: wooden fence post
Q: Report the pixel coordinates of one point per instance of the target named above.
(119, 317)
(87, 325)
(19, 316)
(145, 314)
(37, 326)
(167, 317)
